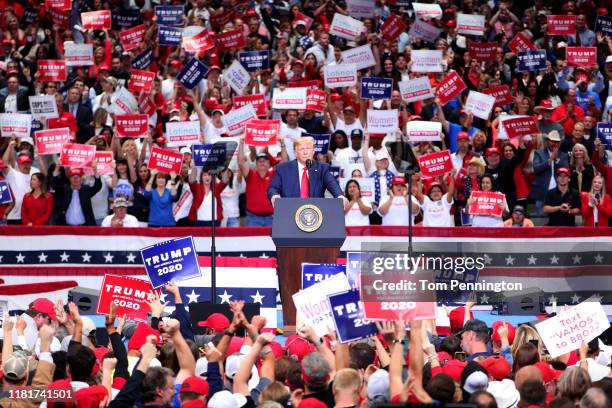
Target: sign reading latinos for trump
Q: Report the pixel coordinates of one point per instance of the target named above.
(192, 73)
(435, 164)
(169, 15)
(50, 141)
(425, 10)
(200, 153)
(182, 133)
(261, 132)
(5, 193)
(345, 27)
(237, 77)
(501, 93)
(168, 35)
(520, 43)
(349, 318)
(169, 261)
(424, 30)
(487, 203)
(483, 52)
(96, 20)
(479, 104)
(132, 37)
(15, 124)
(43, 106)
(416, 89)
(236, 119)
(426, 61)
(341, 75)
(560, 24)
(393, 27)
(51, 70)
(421, 131)
(141, 81)
(289, 98)
(383, 121)
(566, 331)
(77, 55)
(451, 86)
(470, 24)
(230, 40)
(603, 24)
(521, 126)
(362, 57)
(581, 56)
(312, 306)
(257, 101)
(532, 60)
(313, 273)
(315, 98)
(131, 295)
(360, 8)
(165, 160)
(376, 88)
(254, 60)
(77, 155)
(135, 125)
(604, 133)
(321, 142)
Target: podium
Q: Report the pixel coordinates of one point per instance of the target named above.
(304, 230)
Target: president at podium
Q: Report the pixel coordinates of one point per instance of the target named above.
(303, 177)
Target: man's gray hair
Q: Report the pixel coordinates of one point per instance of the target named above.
(316, 370)
(594, 398)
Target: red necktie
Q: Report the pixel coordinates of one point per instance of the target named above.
(304, 193)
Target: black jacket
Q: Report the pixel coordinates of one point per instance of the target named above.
(84, 117)
(63, 196)
(23, 102)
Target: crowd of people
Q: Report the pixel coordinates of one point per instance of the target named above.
(558, 175)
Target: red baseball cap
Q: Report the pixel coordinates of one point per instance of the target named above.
(453, 368)
(24, 158)
(216, 321)
(456, 318)
(297, 61)
(210, 103)
(451, 23)
(444, 357)
(298, 347)
(398, 180)
(139, 338)
(76, 172)
(548, 372)
(335, 97)
(175, 63)
(463, 136)
(544, 104)
(497, 367)
(492, 150)
(44, 305)
(104, 67)
(195, 384)
(563, 170)
(196, 403)
(511, 331)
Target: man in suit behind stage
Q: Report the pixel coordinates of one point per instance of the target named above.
(295, 179)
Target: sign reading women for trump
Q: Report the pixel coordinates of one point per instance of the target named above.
(348, 316)
(131, 295)
(164, 160)
(532, 60)
(426, 10)
(173, 260)
(451, 86)
(424, 30)
(135, 125)
(581, 56)
(236, 119)
(289, 98)
(426, 61)
(416, 89)
(376, 88)
(15, 124)
(470, 24)
(50, 141)
(345, 27)
(479, 104)
(78, 54)
(341, 75)
(383, 121)
(486, 203)
(421, 131)
(51, 70)
(77, 155)
(362, 57)
(262, 132)
(435, 164)
(313, 273)
(182, 133)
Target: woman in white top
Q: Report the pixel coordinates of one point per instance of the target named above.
(230, 197)
(358, 209)
(436, 205)
(488, 220)
(394, 207)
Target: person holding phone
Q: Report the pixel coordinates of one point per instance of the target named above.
(562, 203)
(596, 204)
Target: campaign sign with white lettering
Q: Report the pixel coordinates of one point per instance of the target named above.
(422, 131)
(321, 142)
(173, 260)
(426, 10)
(301, 17)
(531, 60)
(237, 77)
(96, 20)
(603, 24)
(376, 88)
(383, 121)
(349, 318)
(483, 51)
(17, 124)
(353, 268)
(131, 295)
(182, 133)
(360, 8)
(520, 43)
(426, 61)
(192, 73)
(313, 273)
(581, 56)
(52, 70)
(521, 126)
(43, 105)
(362, 57)
(604, 133)
(479, 104)
(77, 155)
(487, 203)
(416, 89)
(125, 18)
(230, 40)
(566, 331)
(132, 37)
(143, 60)
(470, 24)
(78, 55)
(345, 27)
(236, 119)
(257, 101)
(254, 60)
(59, 4)
(123, 101)
(451, 86)
(435, 164)
(50, 141)
(30, 15)
(315, 98)
(200, 153)
(424, 30)
(141, 80)
(261, 132)
(501, 93)
(168, 35)
(561, 24)
(335, 171)
(135, 125)
(169, 15)
(196, 39)
(165, 160)
(59, 18)
(105, 163)
(339, 76)
(5, 193)
(289, 98)
(393, 27)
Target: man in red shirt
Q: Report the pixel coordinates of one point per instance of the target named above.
(568, 112)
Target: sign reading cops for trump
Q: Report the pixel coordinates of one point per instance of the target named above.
(173, 260)
(169, 15)
(376, 88)
(254, 60)
(192, 73)
(348, 316)
(313, 273)
(604, 133)
(5, 193)
(531, 60)
(237, 77)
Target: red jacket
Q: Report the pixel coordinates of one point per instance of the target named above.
(605, 211)
(197, 189)
(36, 210)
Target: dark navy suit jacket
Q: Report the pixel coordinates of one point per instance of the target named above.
(286, 182)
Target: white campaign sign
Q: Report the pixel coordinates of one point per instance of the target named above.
(480, 104)
(416, 89)
(338, 76)
(289, 98)
(568, 329)
(43, 106)
(236, 119)
(424, 30)
(421, 131)
(366, 185)
(312, 305)
(345, 27)
(426, 61)
(470, 24)
(78, 54)
(362, 57)
(237, 76)
(383, 121)
(123, 101)
(360, 8)
(18, 124)
(182, 133)
(427, 10)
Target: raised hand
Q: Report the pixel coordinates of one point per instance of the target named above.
(74, 312)
(60, 314)
(264, 338)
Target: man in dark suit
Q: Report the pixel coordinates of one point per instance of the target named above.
(81, 113)
(545, 163)
(14, 98)
(295, 179)
(73, 199)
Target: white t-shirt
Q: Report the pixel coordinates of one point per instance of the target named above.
(355, 217)
(129, 221)
(229, 199)
(288, 135)
(342, 125)
(205, 209)
(181, 208)
(99, 202)
(213, 134)
(437, 213)
(347, 157)
(20, 186)
(398, 212)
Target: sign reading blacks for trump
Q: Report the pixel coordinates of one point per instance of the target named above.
(313, 273)
(173, 260)
(376, 88)
(349, 319)
(131, 296)
(435, 164)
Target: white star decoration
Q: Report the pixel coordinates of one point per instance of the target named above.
(257, 298)
(193, 297)
(225, 298)
(86, 257)
(596, 298)
(575, 298)
(42, 257)
(242, 255)
(487, 259)
(264, 256)
(598, 258)
(131, 257)
(64, 257)
(162, 297)
(532, 260)
(1, 256)
(554, 260)
(576, 259)
(108, 258)
(552, 299)
(484, 299)
(20, 258)
(509, 260)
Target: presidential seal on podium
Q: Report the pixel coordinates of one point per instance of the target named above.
(308, 218)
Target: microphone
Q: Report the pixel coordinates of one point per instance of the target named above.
(308, 163)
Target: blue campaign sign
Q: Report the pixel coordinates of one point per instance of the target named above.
(604, 133)
(30, 15)
(313, 273)
(5, 193)
(125, 18)
(167, 35)
(349, 319)
(192, 73)
(603, 24)
(143, 60)
(254, 60)
(169, 15)
(200, 153)
(376, 88)
(335, 171)
(531, 60)
(321, 142)
(353, 268)
(173, 260)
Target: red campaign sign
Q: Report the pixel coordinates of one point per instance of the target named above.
(199, 42)
(132, 37)
(313, 84)
(60, 18)
(451, 86)
(50, 141)
(501, 93)
(51, 70)
(302, 17)
(581, 56)
(393, 27)
(164, 160)
(230, 40)
(129, 294)
(315, 98)
(96, 20)
(146, 104)
(486, 51)
(262, 132)
(436, 164)
(518, 127)
(77, 155)
(141, 80)
(258, 101)
(59, 4)
(104, 162)
(135, 125)
(561, 25)
(520, 43)
(487, 203)
(220, 20)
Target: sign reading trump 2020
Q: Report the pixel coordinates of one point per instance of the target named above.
(173, 260)
(313, 273)
(131, 295)
(376, 88)
(348, 316)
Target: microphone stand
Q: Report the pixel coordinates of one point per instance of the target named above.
(408, 174)
(309, 163)
(213, 248)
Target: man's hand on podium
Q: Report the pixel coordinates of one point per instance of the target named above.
(274, 198)
(345, 201)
